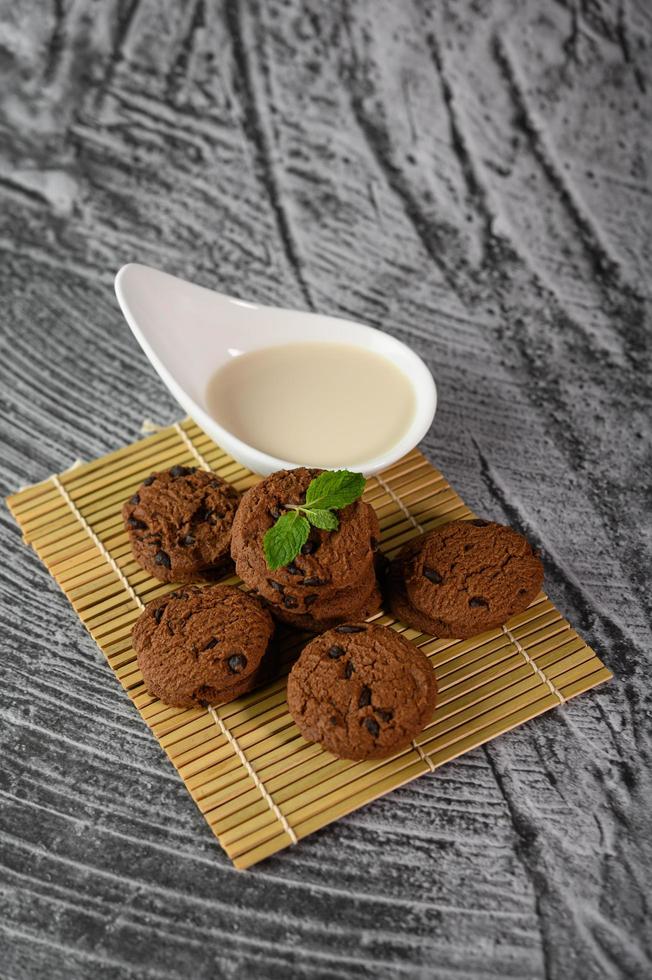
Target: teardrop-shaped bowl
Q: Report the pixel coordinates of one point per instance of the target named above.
(188, 332)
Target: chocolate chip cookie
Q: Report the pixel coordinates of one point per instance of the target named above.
(179, 523)
(330, 563)
(464, 578)
(202, 646)
(356, 604)
(362, 691)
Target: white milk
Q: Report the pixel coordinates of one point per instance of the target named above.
(322, 404)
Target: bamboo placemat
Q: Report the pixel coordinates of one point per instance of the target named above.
(259, 784)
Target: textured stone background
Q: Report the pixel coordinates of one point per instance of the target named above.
(473, 178)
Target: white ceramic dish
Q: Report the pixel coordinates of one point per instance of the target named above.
(187, 332)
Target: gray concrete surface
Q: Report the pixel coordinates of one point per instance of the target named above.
(472, 177)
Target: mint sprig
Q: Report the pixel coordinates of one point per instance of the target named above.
(328, 492)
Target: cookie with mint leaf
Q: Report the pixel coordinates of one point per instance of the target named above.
(304, 539)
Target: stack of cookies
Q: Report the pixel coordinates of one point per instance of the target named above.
(463, 578)
(202, 646)
(332, 580)
(362, 691)
(179, 523)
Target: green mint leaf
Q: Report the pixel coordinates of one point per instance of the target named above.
(324, 519)
(334, 489)
(285, 539)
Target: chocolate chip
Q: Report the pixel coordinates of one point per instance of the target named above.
(135, 499)
(147, 482)
(187, 540)
(480, 523)
(276, 513)
(309, 599)
(433, 575)
(372, 726)
(333, 720)
(158, 613)
(365, 697)
(162, 558)
(309, 548)
(384, 715)
(237, 663)
(314, 581)
(476, 601)
(276, 585)
(292, 569)
(290, 602)
(201, 514)
(182, 471)
(203, 695)
(336, 652)
(468, 547)
(374, 544)
(350, 629)
(211, 643)
(349, 670)
(136, 524)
